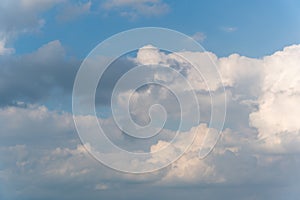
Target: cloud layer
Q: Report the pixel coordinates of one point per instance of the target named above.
(259, 146)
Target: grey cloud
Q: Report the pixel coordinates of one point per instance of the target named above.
(110, 77)
(26, 16)
(37, 76)
(48, 74)
(66, 171)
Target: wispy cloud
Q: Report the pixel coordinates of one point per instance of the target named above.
(71, 11)
(136, 8)
(229, 29)
(199, 36)
(18, 17)
(5, 50)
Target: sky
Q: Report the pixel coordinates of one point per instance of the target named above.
(195, 100)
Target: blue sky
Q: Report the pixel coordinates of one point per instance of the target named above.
(251, 58)
(252, 28)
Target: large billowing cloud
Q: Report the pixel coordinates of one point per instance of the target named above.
(278, 105)
(56, 163)
(268, 87)
(258, 148)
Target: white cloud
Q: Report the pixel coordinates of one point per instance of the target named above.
(242, 73)
(277, 116)
(198, 67)
(270, 83)
(149, 55)
(189, 168)
(234, 160)
(25, 124)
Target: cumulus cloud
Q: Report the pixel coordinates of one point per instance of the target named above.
(41, 146)
(150, 55)
(278, 110)
(64, 165)
(260, 144)
(34, 125)
(262, 92)
(241, 155)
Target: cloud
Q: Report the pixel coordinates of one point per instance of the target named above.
(34, 125)
(149, 55)
(37, 75)
(258, 148)
(22, 16)
(59, 166)
(135, 8)
(199, 36)
(278, 110)
(4, 50)
(229, 29)
(26, 16)
(198, 67)
(41, 146)
(261, 92)
(242, 145)
(71, 11)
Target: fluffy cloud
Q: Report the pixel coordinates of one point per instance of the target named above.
(34, 125)
(277, 116)
(64, 165)
(42, 147)
(269, 85)
(261, 92)
(259, 147)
